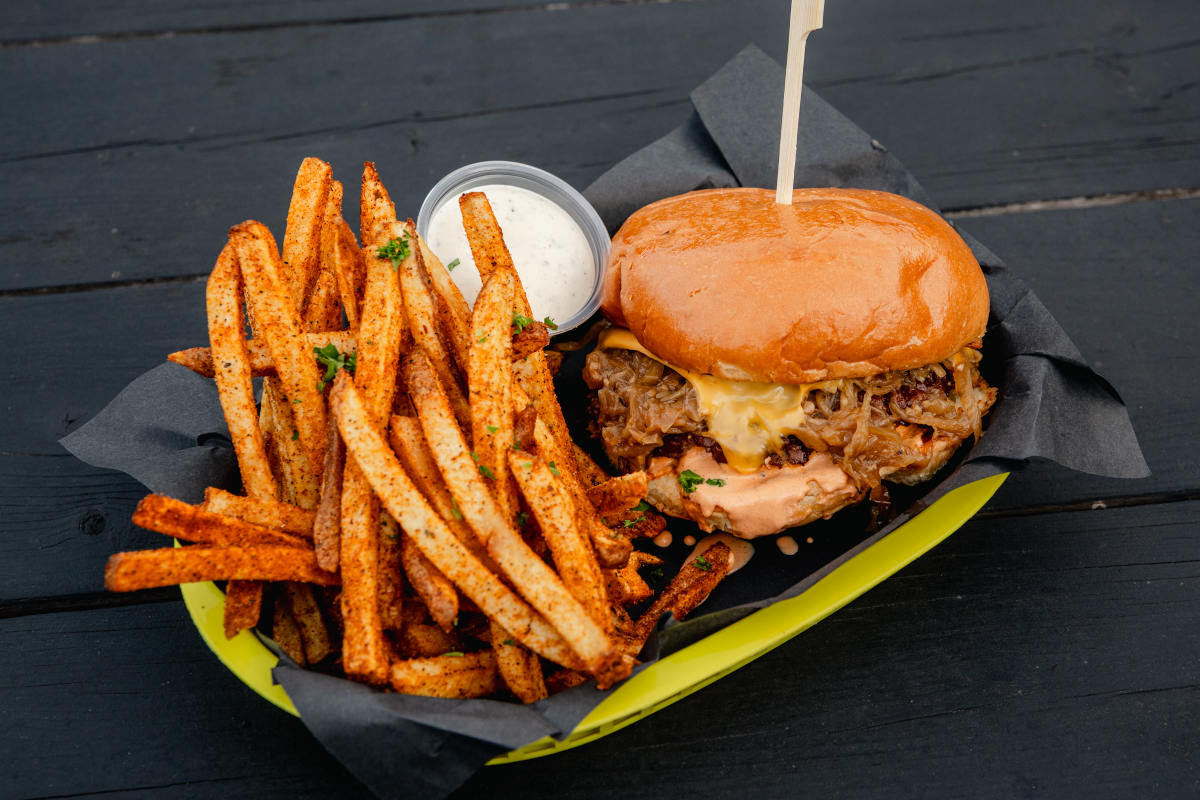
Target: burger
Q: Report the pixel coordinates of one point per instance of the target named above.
(771, 364)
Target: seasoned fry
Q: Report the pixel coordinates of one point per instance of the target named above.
(391, 574)
(530, 339)
(286, 633)
(556, 516)
(279, 324)
(440, 546)
(454, 315)
(363, 648)
(170, 566)
(327, 522)
(536, 582)
(243, 606)
(347, 263)
(313, 633)
(302, 237)
(409, 443)
(518, 667)
(590, 473)
(226, 331)
(418, 640)
(260, 511)
(434, 588)
(696, 579)
(619, 494)
(190, 523)
(419, 309)
(455, 674)
(324, 309)
(625, 585)
(200, 359)
(489, 376)
(554, 361)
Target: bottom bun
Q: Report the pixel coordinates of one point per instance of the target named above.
(749, 505)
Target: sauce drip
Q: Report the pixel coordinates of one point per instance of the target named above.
(742, 550)
(663, 539)
(787, 545)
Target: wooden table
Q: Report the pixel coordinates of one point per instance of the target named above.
(1047, 649)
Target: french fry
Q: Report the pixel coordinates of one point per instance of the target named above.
(696, 579)
(489, 378)
(226, 331)
(401, 498)
(619, 494)
(529, 339)
(612, 549)
(408, 441)
(434, 588)
(363, 649)
(279, 324)
(625, 585)
(536, 582)
(419, 309)
(519, 668)
(145, 569)
(419, 640)
(563, 679)
(590, 473)
(302, 236)
(491, 254)
(351, 274)
(200, 359)
(286, 633)
(313, 633)
(454, 315)
(556, 516)
(460, 675)
(260, 511)
(243, 606)
(190, 523)
(391, 575)
(324, 309)
(327, 521)
(554, 361)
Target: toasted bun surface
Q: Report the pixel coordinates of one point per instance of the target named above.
(843, 283)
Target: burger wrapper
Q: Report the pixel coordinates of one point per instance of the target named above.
(166, 430)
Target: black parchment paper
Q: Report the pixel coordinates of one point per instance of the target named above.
(166, 430)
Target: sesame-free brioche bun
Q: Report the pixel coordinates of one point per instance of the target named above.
(842, 283)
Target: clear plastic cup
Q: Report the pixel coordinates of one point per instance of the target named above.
(554, 189)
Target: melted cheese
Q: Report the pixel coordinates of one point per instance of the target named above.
(747, 418)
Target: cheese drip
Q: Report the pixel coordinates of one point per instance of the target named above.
(747, 418)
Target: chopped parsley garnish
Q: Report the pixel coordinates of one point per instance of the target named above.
(629, 523)
(295, 435)
(329, 357)
(454, 509)
(509, 642)
(396, 250)
(702, 563)
(522, 518)
(715, 481)
(453, 264)
(551, 324)
(520, 322)
(490, 428)
(454, 653)
(642, 506)
(657, 572)
(554, 469)
(689, 480)
(486, 472)
(482, 339)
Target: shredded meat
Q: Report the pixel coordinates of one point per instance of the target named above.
(894, 426)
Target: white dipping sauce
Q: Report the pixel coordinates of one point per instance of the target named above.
(548, 248)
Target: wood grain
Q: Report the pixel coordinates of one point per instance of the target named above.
(956, 674)
(197, 135)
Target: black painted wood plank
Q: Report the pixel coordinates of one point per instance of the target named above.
(124, 146)
(131, 700)
(40, 24)
(1047, 656)
(1119, 301)
(1122, 282)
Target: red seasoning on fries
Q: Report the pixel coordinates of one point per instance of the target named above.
(414, 510)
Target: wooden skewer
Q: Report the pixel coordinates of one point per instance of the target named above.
(807, 16)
